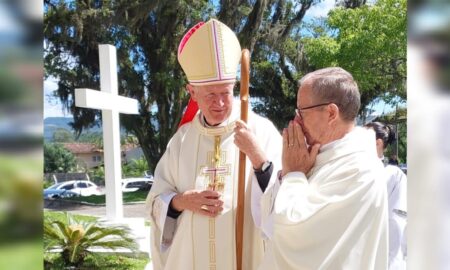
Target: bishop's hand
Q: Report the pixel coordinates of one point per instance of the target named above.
(247, 143)
(205, 202)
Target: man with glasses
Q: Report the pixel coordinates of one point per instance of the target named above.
(194, 196)
(328, 210)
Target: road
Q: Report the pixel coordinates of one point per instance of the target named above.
(129, 210)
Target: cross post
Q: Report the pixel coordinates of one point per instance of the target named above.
(111, 105)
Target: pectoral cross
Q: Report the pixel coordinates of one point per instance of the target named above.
(216, 169)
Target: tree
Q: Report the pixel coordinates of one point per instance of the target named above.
(369, 42)
(62, 135)
(58, 159)
(146, 34)
(398, 119)
(92, 137)
(135, 168)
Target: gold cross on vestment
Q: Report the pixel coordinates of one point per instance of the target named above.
(216, 169)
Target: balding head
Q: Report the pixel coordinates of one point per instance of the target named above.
(335, 85)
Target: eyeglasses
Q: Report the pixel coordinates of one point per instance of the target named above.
(299, 111)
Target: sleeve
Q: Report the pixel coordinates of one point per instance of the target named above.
(271, 142)
(296, 184)
(298, 198)
(266, 204)
(263, 177)
(161, 194)
(397, 218)
(398, 198)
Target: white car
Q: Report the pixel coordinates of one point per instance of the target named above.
(71, 188)
(135, 184)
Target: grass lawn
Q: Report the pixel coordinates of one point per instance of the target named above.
(102, 261)
(137, 196)
(61, 216)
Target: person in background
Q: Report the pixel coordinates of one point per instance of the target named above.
(396, 190)
(393, 160)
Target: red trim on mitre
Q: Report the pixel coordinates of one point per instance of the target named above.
(189, 114)
(188, 35)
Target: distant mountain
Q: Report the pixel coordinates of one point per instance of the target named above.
(51, 124)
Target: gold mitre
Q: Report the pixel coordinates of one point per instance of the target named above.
(209, 53)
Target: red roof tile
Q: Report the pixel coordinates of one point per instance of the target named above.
(86, 148)
(82, 148)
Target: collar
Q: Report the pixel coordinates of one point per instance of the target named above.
(357, 140)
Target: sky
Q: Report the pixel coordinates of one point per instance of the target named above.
(52, 106)
(320, 10)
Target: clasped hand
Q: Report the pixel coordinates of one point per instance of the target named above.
(205, 202)
(297, 156)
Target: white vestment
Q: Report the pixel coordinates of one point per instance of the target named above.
(333, 218)
(396, 190)
(194, 241)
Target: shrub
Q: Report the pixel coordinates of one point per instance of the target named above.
(77, 237)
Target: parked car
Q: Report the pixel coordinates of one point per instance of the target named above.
(135, 184)
(72, 188)
(148, 174)
(404, 168)
(58, 193)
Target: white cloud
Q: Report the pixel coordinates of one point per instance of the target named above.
(52, 105)
(320, 10)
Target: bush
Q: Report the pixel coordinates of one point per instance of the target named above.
(75, 238)
(58, 159)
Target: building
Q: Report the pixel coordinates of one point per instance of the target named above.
(89, 156)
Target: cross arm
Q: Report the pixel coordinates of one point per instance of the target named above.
(94, 99)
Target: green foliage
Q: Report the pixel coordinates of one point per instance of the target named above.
(136, 196)
(135, 168)
(92, 137)
(322, 51)
(62, 135)
(62, 216)
(97, 175)
(58, 159)
(146, 35)
(369, 42)
(100, 261)
(398, 120)
(75, 237)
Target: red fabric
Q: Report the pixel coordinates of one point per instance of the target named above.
(190, 112)
(188, 35)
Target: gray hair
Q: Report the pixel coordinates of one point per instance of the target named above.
(336, 85)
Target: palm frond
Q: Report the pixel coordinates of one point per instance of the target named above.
(76, 238)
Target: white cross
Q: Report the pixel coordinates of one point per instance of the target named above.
(111, 105)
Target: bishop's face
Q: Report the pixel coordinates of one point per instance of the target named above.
(215, 101)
